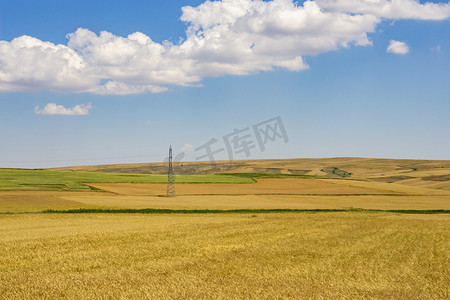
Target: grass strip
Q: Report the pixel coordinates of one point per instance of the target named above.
(245, 211)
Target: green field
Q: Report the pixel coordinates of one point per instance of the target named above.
(50, 180)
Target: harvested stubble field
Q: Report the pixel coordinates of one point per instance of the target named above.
(252, 256)
(26, 201)
(263, 186)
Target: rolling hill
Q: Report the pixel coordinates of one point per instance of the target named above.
(433, 174)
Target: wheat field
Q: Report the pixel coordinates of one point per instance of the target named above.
(252, 256)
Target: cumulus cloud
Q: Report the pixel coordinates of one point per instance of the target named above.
(397, 47)
(227, 37)
(390, 9)
(27, 63)
(52, 109)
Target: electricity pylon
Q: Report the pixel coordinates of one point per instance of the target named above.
(170, 177)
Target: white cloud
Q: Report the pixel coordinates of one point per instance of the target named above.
(27, 63)
(53, 109)
(228, 37)
(187, 147)
(149, 123)
(436, 48)
(397, 47)
(390, 9)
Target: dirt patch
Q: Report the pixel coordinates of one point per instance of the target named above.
(298, 172)
(333, 171)
(445, 177)
(267, 170)
(391, 179)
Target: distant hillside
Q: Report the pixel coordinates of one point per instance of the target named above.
(425, 173)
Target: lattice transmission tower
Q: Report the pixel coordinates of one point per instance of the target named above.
(170, 177)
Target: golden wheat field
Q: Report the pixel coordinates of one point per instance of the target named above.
(36, 201)
(209, 256)
(372, 254)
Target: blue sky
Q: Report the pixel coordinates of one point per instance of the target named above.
(356, 99)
